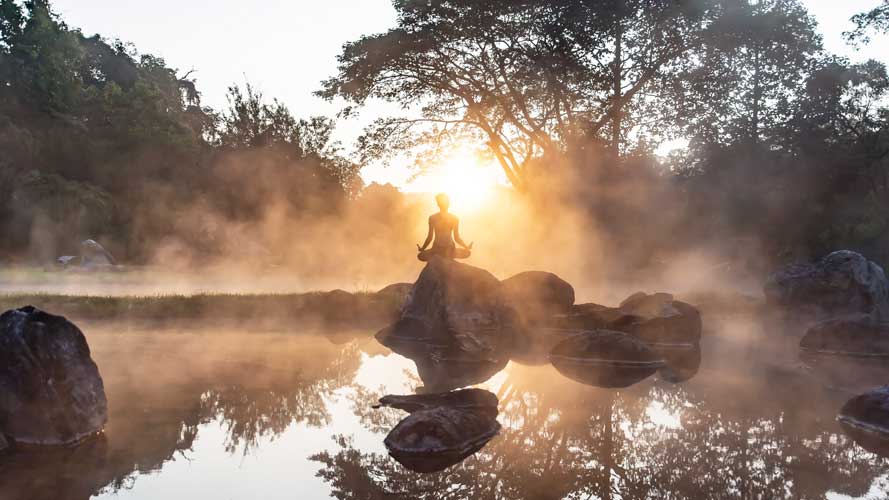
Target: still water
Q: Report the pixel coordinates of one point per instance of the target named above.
(198, 414)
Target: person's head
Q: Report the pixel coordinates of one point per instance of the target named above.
(443, 201)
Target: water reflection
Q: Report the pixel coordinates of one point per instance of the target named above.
(294, 411)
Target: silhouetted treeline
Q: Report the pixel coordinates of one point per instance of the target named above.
(788, 153)
(98, 141)
(788, 144)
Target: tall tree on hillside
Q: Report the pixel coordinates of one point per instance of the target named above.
(522, 77)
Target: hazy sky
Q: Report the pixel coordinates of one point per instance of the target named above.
(285, 48)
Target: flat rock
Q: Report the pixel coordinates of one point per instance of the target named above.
(866, 419)
(442, 429)
(605, 358)
(854, 335)
(51, 392)
(657, 319)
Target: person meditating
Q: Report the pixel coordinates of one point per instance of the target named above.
(443, 225)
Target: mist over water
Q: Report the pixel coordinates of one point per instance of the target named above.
(233, 413)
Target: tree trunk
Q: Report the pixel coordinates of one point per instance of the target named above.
(617, 75)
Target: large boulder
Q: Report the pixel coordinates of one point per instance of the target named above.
(442, 429)
(866, 418)
(453, 304)
(604, 358)
(538, 295)
(853, 335)
(841, 283)
(51, 392)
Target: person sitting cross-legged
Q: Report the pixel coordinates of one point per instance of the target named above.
(445, 228)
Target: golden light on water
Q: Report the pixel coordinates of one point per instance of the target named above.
(468, 181)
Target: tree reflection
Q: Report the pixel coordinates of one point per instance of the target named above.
(163, 387)
(655, 440)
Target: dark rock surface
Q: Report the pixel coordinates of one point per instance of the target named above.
(605, 358)
(842, 283)
(656, 319)
(866, 419)
(399, 291)
(659, 319)
(682, 363)
(442, 429)
(854, 335)
(466, 399)
(51, 392)
(453, 304)
(538, 295)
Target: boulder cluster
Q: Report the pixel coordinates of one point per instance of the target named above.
(848, 295)
(460, 324)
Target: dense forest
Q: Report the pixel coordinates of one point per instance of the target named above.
(788, 152)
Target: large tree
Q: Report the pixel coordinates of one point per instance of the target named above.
(524, 78)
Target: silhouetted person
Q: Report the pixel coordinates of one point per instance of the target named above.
(446, 228)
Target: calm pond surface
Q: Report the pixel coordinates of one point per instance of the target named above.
(210, 414)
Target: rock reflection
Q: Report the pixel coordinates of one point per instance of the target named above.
(565, 440)
(162, 387)
(442, 429)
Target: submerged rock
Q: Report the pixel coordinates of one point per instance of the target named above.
(452, 303)
(442, 429)
(841, 283)
(605, 358)
(681, 363)
(51, 392)
(538, 295)
(851, 374)
(866, 419)
(854, 335)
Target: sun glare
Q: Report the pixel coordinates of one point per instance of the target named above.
(469, 182)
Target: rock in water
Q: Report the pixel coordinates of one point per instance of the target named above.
(681, 363)
(866, 419)
(854, 335)
(605, 358)
(656, 319)
(466, 399)
(442, 429)
(51, 392)
(452, 301)
(841, 283)
(538, 295)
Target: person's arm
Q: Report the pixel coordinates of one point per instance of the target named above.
(457, 237)
(428, 237)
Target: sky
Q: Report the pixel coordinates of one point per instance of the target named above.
(286, 48)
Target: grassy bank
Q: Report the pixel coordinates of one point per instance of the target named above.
(321, 309)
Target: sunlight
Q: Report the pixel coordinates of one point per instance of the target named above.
(468, 181)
